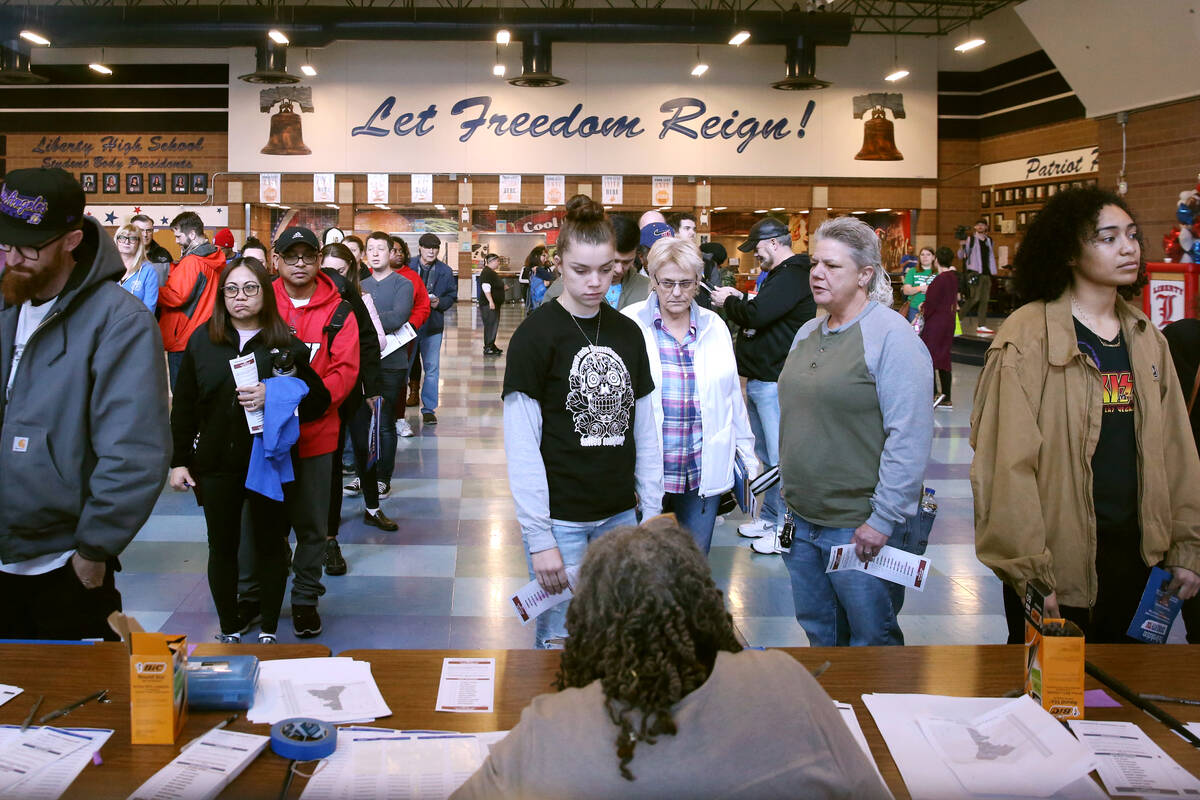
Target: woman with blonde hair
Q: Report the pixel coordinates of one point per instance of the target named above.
(140, 278)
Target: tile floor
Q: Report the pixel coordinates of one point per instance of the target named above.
(442, 580)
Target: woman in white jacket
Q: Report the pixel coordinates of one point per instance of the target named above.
(697, 397)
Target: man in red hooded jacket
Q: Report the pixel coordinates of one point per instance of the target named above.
(310, 304)
(185, 301)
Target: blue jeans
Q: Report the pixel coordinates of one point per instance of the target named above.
(762, 404)
(174, 362)
(842, 608)
(697, 515)
(431, 356)
(913, 310)
(572, 539)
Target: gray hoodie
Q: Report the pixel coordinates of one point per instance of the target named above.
(84, 434)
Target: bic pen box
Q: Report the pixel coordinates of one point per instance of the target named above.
(222, 682)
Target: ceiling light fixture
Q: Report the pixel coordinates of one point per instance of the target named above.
(98, 67)
(740, 38)
(439, 206)
(36, 38)
(777, 208)
(720, 208)
(277, 36)
(383, 207)
(760, 211)
(700, 67)
(858, 212)
(549, 208)
(498, 70)
(882, 210)
(493, 207)
(503, 36)
(896, 75)
(307, 68)
(970, 44)
(898, 72)
(664, 208)
(332, 205)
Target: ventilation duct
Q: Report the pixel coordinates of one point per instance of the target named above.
(801, 66)
(535, 64)
(15, 69)
(270, 65)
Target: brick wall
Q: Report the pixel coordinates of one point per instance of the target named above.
(1162, 160)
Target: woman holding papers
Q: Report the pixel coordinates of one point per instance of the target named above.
(698, 407)
(211, 430)
(654, 686)
(856, 427)
(1085, 471)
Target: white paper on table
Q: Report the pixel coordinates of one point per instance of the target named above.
(316, 685)
(468, 685)
(892, 564)
(925, 775)
(423, 767)
(245, 373)
(8, 692)
(1015, 749)
(1130, 763)
(204, 768)
(51, 782)
(531, 600)
(398, 338)
(846, 711)
(24, 755)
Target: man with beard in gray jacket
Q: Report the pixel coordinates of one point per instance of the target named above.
(84, 435)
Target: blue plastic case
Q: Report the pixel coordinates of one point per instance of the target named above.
(221, 682)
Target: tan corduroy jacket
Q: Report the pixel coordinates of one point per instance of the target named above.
(1034, 429)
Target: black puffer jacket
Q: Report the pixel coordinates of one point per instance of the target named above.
(769, 321)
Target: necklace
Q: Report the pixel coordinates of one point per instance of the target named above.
(1090, 324)
(591, 345)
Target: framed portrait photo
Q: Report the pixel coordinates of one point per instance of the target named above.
(1040, 191)
(985, 199)
(199, 183)
(88, 181)
(133, 183)
(157, 183)
(179, 183)
(112, 183)
(1022, 220)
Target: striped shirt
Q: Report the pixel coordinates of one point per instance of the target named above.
(682, 434)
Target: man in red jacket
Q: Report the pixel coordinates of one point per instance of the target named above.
(185, 301)
(310, 304)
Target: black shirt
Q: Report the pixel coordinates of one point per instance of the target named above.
(488, 276)
(1183, 337)
(586, 385)
(1114, 464)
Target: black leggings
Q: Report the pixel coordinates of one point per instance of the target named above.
(942, 376)
(358, 430)
(222, 497)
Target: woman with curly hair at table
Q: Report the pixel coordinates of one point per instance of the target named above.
(653, 687)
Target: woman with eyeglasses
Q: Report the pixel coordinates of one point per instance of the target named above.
(140, 278)
(697, 399)
(213, 441)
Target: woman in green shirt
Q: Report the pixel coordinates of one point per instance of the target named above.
(915, 281)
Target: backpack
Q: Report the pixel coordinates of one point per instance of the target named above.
(336, 322)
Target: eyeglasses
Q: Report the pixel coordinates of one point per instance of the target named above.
(670, 286)
(128, 239)
(28, 252)
(249, 289)
(309, 259)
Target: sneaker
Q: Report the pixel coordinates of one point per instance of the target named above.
(947, 405)
(403, 428)
(353, 488)
(755, 529)
(379, 520)
(347, 469)
(335, 564)
(937, 400)
(384, 488)
(769, 545)
(306, 622)
(267, 638)
(985, 330)
(229, 638)
(250, 613)
(429, 418)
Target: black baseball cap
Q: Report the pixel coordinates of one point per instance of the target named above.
(429, 240)
(766, 228)
(297, 235)
(39, 205)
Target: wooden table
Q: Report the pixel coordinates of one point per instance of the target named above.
(409, 680)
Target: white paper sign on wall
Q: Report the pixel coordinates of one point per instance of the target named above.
(662, 190)
(612, 190)
(269, 187)
(554, 190)
(510, 188)
(323, 187)
(422, 188)
(377, 187)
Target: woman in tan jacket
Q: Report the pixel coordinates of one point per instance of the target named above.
(1084, 473)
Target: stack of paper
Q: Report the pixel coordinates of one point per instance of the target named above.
(380, 762)
(40, 763)
(846, 711)
(952, 747)
(204, 768)
(1130, 763)
(334, 690)
(8, 692)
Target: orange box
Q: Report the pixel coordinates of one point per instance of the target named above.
(1054, 659)
(157, 687)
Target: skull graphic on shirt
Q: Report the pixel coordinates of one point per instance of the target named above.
(601, 397)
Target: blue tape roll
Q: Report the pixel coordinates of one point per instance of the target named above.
(303, 739)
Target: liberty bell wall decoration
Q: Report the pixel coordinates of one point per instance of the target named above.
(287, 138)
(879, 133)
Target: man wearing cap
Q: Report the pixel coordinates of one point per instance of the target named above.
(310, 304)
(224, 240)
(628, 285)
(443, 292)
(156, 254)
(85, 441)
(185, 301)
(768, 323)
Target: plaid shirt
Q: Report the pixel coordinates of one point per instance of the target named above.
(682, 435)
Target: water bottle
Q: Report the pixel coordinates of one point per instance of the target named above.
(928, 504)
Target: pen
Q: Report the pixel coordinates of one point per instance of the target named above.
(101, 695)
(216, 727)
(29, 719)
(1164, 699)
